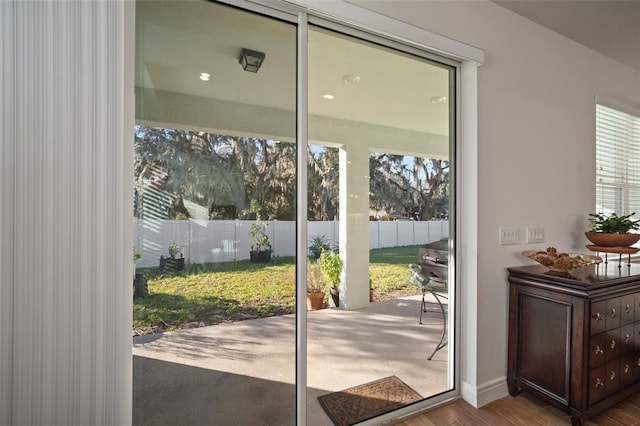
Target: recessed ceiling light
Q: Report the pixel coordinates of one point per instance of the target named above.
(438, 99)
(205, 76)
(351, 78)
(328, 96)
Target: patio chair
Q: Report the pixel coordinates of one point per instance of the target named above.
(431, 283)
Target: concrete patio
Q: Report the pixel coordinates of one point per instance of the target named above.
(243, 373)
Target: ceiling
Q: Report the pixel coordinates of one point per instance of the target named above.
(610, 27)
(178, 40)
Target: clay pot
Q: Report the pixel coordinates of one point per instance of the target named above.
(315, 301)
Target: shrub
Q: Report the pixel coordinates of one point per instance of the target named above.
(318, 244)
(331, 266)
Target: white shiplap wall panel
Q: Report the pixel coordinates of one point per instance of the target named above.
(67, 119)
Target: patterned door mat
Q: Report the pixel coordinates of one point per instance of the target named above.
(363, 402)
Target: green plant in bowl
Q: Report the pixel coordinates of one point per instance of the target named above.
(613, 224)
(612, 230)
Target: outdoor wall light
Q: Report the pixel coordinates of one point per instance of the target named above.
(251, 60)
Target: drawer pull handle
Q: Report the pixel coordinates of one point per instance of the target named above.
(613, 312)
(627, 338)
(612, 376)
(638, 362)
(613, 344)
(627, 308)
(626, 368)
(598, 383)
(598, 350)
(598, 317)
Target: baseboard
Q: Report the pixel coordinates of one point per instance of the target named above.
(484, 394)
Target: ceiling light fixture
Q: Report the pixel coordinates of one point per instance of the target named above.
(438, 99)
(251, 60)
(328, 96)
(351, 78)
(205, 76)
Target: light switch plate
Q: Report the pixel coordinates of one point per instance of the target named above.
(509, 236)
(535, 234)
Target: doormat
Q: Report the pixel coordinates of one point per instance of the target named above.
(363, 402)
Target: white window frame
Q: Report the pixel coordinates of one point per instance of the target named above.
(617, 158)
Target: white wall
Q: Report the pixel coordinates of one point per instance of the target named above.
(536, 148)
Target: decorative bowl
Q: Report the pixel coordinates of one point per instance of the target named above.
(561, 261)
(602, 239)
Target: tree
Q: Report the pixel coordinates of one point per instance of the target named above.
(410, 187)
(323, 183)
(433, 199)
(219, 170)
(224, 173)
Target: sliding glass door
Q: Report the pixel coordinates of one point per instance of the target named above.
(257, 186)
(214, 225)
(380, 196)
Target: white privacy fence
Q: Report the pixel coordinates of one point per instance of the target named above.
(228, 240)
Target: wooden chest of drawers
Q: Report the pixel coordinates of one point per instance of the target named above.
(574, 339)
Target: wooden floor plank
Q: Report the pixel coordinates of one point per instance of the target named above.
(631, 409)
(603, 420)
(520, 411)
(633, 400)
(480, 416)
(539, 410)
(456, 413)
(525, 410)
(619, 414)
(499, 416)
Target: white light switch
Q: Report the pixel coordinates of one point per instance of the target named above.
(509, 236)
(535, 234)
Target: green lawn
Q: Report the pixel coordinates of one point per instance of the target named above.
(211, 293)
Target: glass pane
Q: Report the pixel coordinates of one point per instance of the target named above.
(379, 192)
(617, 159)
(214, 220)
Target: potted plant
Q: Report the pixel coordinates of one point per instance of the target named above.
(261, 248)
(318, 244)
(612, 230)
(315, 287)
(173, 263)
(331, 267)
(139, 280)
(371, 292)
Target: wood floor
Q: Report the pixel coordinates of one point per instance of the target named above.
(522, 410)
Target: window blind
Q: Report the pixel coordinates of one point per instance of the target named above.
(617, 161)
